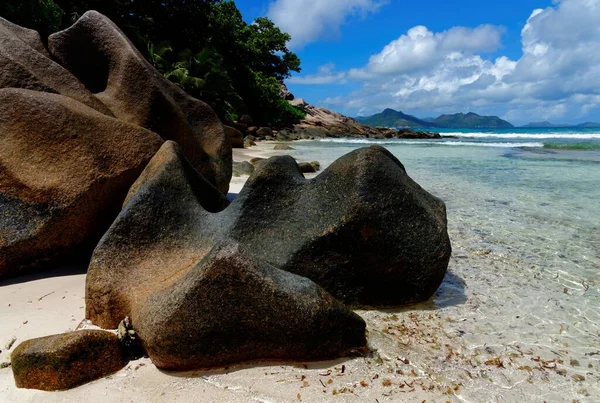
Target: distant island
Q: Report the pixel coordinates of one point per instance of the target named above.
(393, 118)
(546, 124)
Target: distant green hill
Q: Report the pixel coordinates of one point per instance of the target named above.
(547, 124)
(589, 125)
(392, 118)
(537, 125)
(471, 121)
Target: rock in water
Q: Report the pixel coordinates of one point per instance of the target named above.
(25, 63)
(282, 147)
(67, 360)
(109, 65)
(197, 299)
(65, 170)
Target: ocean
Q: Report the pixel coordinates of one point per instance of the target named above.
(521, 301)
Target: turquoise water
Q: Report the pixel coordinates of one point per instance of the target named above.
(524, 220)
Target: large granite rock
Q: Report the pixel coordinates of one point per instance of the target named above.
(67, 360)
(231, 308)
(65, 170)
(362, 229)
(236, 138)
(195, 297)
(109, 65)
(25, 63)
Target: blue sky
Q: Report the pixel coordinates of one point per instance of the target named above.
(527, 60)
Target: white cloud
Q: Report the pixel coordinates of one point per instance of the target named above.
(325, 75)
(310, 20)
(420, 48)
(557, 76)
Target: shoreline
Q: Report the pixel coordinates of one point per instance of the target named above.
(447, 349)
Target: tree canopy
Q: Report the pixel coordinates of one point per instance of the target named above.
(204, 46)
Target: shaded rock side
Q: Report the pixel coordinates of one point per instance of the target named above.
(65, 170)
(164, 219)
(362, 229)
(67, 360)
(109, 65)
(232, 308)
(197, 299)
(25, 63)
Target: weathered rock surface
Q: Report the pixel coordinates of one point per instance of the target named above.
(195, 297)
(96, 51)
(231, 308)
(236, 138)
(362, 229)
(65, 169)
(25, 63)
(67, 360)
(264, 132)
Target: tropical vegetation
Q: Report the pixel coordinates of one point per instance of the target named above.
(203, 46)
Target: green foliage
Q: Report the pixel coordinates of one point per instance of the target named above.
(202, 75)
(269, 107)
(44, 16)
(204, 46)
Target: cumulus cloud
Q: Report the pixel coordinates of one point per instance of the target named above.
(326, 74)
(309, 20)
(558, 74)
(420, 48)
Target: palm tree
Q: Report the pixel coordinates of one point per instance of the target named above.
(201, 75)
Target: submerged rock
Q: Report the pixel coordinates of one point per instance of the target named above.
(67, 360)
(65, 171)
(96, 51)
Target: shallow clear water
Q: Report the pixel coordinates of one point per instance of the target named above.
(524, 281)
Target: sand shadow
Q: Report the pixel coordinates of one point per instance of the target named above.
(450, 293)
(58, 271)
(330, 367)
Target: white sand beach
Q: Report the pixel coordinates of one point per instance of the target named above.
(491, 333)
